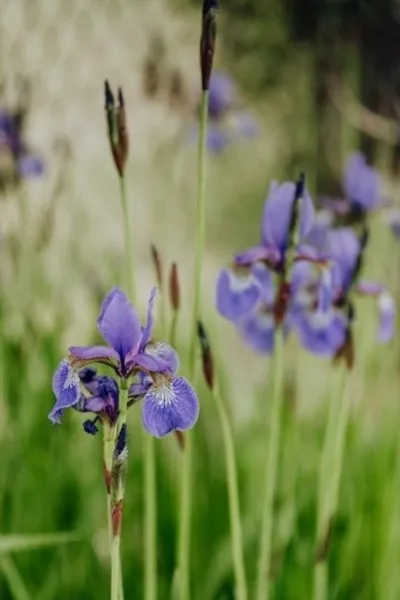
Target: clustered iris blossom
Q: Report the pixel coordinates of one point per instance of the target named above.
(149, 369)
(301, 277)
(269, 285)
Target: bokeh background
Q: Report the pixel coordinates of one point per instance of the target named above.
(313, 80)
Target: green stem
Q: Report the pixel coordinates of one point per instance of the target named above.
(150, 564)
(186, 477)
(129, 262)
(264, 560)
(233, 497)
(173, 328)
(331, 459)
(16, 585)
(115, 567)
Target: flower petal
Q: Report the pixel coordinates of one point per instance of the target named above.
(93, 353)
(170, 405)
(369, 288)
(258, 331)
(344, 248)
(265, 279)
(387, 313)
(153, 364)
(320, 333)
(66, 390)
(237, 295)
(361, 183)
(255, 254)
(89, 379)
(165, 352)
(146, 332)
(325, 291)
(119, 323)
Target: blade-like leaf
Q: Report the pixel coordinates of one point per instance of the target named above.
(20, 542)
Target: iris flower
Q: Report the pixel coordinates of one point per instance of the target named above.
(12, 143)
(130, 353)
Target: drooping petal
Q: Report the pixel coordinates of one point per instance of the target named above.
(361, 183)
(66, 390)
(237, 295)
(268, 253)
(119, 323)
(258, 331)
(147, 329)
(320, 333)
(387, 317)
(168, 406)
(93, 353)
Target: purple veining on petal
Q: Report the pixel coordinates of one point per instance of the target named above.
(236, 295)
(168, 406)
(65, 388)
(119, 323)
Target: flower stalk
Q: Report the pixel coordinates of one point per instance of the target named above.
(265, 549)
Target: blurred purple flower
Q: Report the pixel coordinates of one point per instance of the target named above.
(12, 141)
(222, 96)
(362, 190)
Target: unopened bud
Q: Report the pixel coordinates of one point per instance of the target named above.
(156, 258)
(116, 126)
(174, 288)
(206, 355)
(207, 40)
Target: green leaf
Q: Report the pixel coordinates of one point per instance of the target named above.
(19, 542)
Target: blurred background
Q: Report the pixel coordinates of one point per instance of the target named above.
(303, 84)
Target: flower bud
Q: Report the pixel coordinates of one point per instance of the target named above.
(156, 258)
(207, 40)
(206, 355)
(174, 288)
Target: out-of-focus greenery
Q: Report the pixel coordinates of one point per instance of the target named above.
(51, 477)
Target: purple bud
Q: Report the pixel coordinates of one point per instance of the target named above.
(90, 426)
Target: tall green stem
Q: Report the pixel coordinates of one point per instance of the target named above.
(186, 477)
(233, 497)
(264, 559)
(129, 262)
(150, 548)
(329, 479)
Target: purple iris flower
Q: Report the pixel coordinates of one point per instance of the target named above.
(221, 96)
(362, 190)
(131, 353)
(26, 163)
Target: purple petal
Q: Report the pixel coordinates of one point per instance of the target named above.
(93, 353)
(256, 254)
(217, 139)
(336, 206)
(369, 288)
(119, 323)
(170, 405)
(265, 279)
(66, 390)
(258, 331)
(146, 333)
(361, 183)
(153, 364)
(325, 291)
(89, 379)
(30, 166)
(278, 213)
(319, 231)
(344, 248)
(237, 295)
(96, 404)
(222, 95)
(140, 388)
(320, 333)
(387, 314)
(164, 352)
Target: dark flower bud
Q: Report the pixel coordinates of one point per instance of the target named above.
(122, 130)
(116, 126)
(156, 258)
(90, 426)
(121, 445)
(87, 374)
(207, 40)
(174, 288)
(298, 194)
(206, 355)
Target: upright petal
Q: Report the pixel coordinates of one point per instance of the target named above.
(258, 330)
(119, 323)
(277, 214)
(387, 314)
(237, 295)
(344, 248)
(361, 183)
(168, 406)
(307, 214)
(66, 390)
(147, 329)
